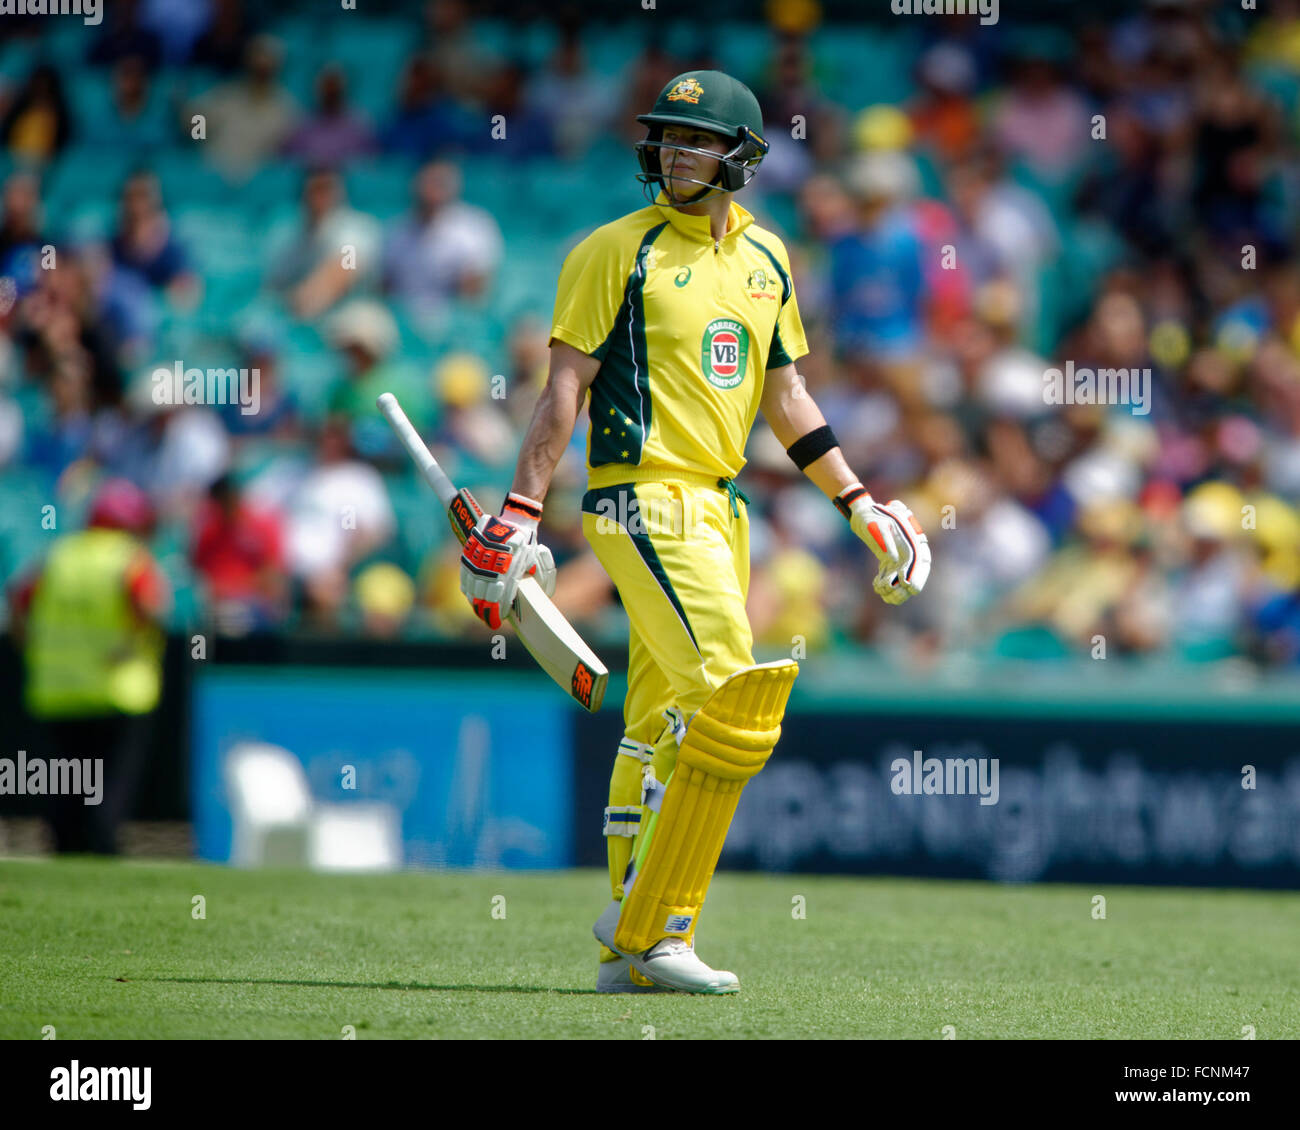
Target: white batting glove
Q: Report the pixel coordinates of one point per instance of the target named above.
(894, 535)
(914, 546)
(499, 553)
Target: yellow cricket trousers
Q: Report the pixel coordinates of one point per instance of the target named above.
(676, 546)
(677, 549)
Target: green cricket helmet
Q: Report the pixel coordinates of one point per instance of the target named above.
(712, 101)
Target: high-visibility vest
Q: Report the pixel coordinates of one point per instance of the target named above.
(87, 650)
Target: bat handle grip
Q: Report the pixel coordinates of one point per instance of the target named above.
(420, 455)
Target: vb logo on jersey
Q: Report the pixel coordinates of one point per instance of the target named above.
(724, 352)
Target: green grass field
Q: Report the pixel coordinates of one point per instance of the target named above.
(112, 950)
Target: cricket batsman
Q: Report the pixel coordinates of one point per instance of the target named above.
(676, 324)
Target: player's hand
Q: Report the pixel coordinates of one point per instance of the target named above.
(499, 553)
(894, 535)
(914, 555)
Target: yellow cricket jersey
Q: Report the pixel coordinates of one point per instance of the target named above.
(684, 329)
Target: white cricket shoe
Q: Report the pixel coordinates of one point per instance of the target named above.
(621, 977)
(671, 963)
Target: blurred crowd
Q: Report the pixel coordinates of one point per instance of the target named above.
(1120, 195)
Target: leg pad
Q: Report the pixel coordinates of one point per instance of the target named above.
(728, 740)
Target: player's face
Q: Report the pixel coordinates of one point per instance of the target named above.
(683, 168)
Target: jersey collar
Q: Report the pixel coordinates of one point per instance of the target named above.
(697, 227)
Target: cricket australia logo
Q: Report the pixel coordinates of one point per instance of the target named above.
(688, 90)
(757, 282)
(724, 352)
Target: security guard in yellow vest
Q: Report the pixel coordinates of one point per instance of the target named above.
(93, 646)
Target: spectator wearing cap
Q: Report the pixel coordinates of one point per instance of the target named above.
(1209, 590)
(1273, 605)
(1005, 379)
(366, 334)
(876, 280)
(473, 424)
(882, 128)
(385, 596)
(1079, 593)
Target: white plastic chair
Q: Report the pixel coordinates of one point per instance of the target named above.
(270, 805)
(277, 822)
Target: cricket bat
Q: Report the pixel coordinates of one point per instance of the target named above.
(548, 636)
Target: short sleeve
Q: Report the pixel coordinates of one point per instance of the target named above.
(589, 294)
(789, 342)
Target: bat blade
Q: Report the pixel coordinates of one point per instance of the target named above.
(543, 630)
(558, 649)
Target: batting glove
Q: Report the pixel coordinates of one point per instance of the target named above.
(499, 553)
(894, 535)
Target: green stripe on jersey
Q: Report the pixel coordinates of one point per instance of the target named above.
(620, 394)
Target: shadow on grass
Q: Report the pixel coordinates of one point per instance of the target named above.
(371, 985)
